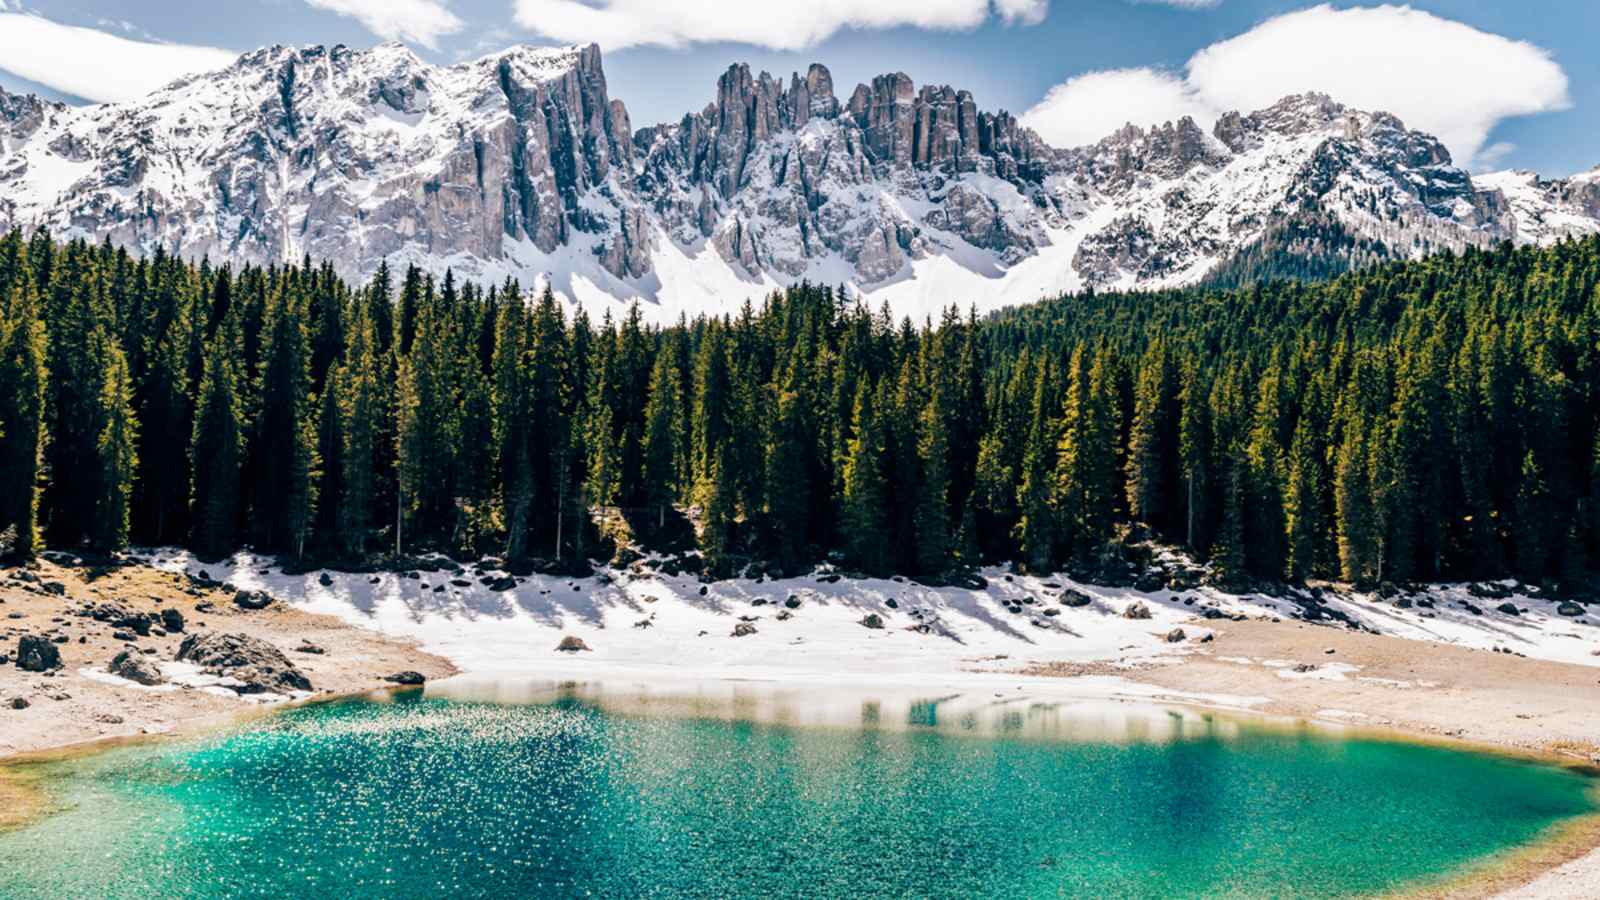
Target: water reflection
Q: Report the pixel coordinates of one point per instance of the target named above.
(1015, 714)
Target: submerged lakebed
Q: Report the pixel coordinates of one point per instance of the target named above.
(542, 790)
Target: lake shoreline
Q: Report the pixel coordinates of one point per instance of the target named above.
(1355, 683)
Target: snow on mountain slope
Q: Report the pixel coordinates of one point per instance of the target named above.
(520, 165)
(1547, 211)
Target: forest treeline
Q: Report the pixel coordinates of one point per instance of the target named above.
(1413, 421)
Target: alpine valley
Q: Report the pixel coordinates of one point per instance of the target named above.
(521, 164)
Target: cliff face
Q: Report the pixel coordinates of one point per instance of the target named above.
(521, 164)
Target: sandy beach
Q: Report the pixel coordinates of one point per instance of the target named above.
(81, 701)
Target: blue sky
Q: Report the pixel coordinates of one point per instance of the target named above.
(1504, 84)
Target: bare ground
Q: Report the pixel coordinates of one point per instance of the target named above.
(67, 708)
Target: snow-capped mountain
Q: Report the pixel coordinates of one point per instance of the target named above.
(521, 165)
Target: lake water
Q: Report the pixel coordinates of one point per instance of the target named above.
(579, 794)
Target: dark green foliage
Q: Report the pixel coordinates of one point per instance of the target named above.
(1410, 421)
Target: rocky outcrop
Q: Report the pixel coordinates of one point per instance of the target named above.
(256, 666)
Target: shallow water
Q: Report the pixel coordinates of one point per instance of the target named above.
(581, 794)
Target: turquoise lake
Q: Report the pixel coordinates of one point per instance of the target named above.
(424, 797)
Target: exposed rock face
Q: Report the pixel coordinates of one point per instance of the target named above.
(522, 164)
(35, 653)
(261, 667)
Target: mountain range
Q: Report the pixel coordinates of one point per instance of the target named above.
(520, 164)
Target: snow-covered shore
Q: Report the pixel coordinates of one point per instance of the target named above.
(812, 628)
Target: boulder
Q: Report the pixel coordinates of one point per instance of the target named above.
(19, 703)
(1570, 610)
(325, 580)
(1176, 636)
(37, 654)
(793, 602)
(260, 666)
(408, 679)
(572, 644)
(1509, 609)
(310, 648)
(172, 621)
(1076, 599)
(1137, 610)
(872, 620)
(743, 629)
(252, 600)
(137, 667)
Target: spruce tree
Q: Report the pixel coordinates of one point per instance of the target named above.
(22, 393)
(217, 448)
(663, 437)
(864, 519)
(118, 457)
(934, 543)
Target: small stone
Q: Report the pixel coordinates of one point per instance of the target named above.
(872, 620)
(325, 580)
(572, 644)
(172, 620)
(743, 629)
(19, 703)
(1176, 636)
(408, 679)
(1137, 610)
(793, 602)
(1570, 610)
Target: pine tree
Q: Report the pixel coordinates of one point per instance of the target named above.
(664, 439)
(1085, 488)
(362, 412)
(1036, 524)
(217, 448)
(282, 458)
(330, 456)
(117, 457)
(1357, 526)
(1533, 510)
(934, 543)
(22, 393)
(427, 429)
(1304, 502)
(864, 519)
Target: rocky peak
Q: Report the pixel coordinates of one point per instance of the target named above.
(20, 116)
(1164, 151)
(812, 96)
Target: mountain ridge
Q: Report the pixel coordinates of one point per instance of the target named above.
(521, 164)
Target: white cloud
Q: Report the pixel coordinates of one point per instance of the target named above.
(96, 65)
(786, 26)
(1183, 4)
(1091, 106)
(1438, 75)
(420, 21)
